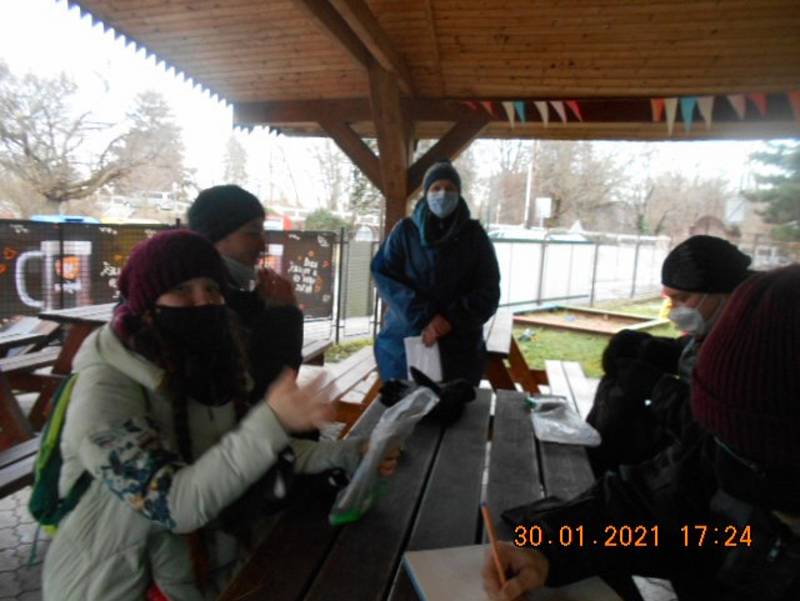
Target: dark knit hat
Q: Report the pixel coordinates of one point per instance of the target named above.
(441, 170)
(220, 210)
(705, 264)
(746, 384)
(162, 262)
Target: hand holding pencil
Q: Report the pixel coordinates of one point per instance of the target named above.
(528, 568)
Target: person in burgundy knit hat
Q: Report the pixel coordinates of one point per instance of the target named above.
(725, 500)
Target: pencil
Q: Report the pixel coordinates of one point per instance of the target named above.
(487, 519)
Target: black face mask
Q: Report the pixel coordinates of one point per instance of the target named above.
(206, 355)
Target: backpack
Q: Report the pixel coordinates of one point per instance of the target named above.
(45, 505)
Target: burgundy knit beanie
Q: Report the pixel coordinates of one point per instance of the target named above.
(160, 263)
(746, 384)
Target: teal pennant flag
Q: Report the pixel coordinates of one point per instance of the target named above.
(687, 111)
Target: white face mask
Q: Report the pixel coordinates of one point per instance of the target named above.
(442, 202)
(690, 320)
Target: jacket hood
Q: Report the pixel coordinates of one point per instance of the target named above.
(104, 347)
(423, 217)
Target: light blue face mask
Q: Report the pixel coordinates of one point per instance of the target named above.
(442, 202)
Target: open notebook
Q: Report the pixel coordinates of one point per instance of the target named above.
(455, 573)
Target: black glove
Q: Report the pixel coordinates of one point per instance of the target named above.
(637, 378)
(394, 390)
(453, 396)
(625, 344)
(663, 353)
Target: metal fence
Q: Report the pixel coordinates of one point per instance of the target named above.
(51, 266)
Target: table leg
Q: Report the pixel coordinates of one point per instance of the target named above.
(76, 334)
(497, 374)
(14, 428)
(528, 378)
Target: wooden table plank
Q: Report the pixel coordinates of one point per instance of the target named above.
(566, 470)
(582, 390)
(514, 476)
(284, 563)
(15, 339)
(366, 555)
(449, 513)
(498, 338)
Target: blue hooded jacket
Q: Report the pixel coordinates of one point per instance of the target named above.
(428, 266)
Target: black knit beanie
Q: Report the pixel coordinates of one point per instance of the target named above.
(220, 210)
(441, 170)
(746, 384)
(705, 264)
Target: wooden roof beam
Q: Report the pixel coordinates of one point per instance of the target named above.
(355, 148)
(334, 26)
(364, 24)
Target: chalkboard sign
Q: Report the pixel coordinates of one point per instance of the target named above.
(306, 260)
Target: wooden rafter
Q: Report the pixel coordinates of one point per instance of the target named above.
(449, 146)
(333, 25)
(364, 24)
(356, 150)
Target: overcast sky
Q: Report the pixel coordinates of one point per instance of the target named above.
(44, 37)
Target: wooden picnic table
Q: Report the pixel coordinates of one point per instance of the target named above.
(432, 501)
(502, 347)
(14, 340)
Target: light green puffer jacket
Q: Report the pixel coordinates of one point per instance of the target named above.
(126, 530)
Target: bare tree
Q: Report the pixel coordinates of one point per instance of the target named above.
(51, 148)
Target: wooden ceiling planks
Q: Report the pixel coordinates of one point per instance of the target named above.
(257, 50)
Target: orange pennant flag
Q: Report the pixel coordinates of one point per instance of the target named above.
(760, 100)
(573, 105)
(487, 104)
(794, 100)
(657, 108)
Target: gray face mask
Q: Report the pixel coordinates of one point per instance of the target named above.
(442, 202)
(690, 320)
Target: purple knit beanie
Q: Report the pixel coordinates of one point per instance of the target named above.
(746, 384)
(162, 262)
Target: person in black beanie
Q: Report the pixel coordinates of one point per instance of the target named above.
(724, 500)
(698, 276)
(438, 275)
(233, 220)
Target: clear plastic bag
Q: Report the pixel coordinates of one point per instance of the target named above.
(424, 358)
(555, 420)
(395, 425)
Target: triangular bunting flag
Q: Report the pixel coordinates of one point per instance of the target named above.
(487, 104)
(794, 100)
(671, 106)
(657, 108)
(738, 103)
(573, 105)
(687, 111)
(520, 106)
(559, 107)
(470, 104)
(509, 108)
(541, 106)
(706, 106)
(760, 100)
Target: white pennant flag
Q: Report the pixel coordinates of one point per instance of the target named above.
(739, 104)
(671, 106)
(541, 106)
(706, 106)
(559, 106)
(509, 107)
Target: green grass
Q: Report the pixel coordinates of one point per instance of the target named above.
(339, 352)
(586, 349)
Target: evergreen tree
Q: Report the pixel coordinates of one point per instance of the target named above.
(779, 189)
(235, 162)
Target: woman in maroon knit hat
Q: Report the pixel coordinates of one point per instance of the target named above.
(718, 513)
(159, 424)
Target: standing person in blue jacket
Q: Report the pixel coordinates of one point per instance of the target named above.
(438, 275)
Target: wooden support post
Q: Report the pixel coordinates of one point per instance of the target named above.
(356, 150)
(394, 141)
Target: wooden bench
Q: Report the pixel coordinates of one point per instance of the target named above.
(16, 466)
(314, 351)
(501, 347)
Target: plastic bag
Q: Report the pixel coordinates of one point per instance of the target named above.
(394, 426)
(424, 358)
(555, 420)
